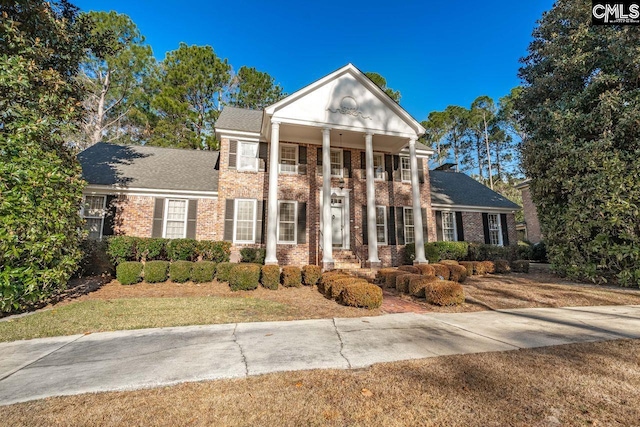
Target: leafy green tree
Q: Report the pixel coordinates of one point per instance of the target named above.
(187, 100)
(255, 89)
(113, 72)
(40, 182)
(382, 83)
(447, 131)
(580, 106)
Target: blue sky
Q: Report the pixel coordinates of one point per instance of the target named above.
(435, 53)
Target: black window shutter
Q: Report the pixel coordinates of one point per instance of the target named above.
(260, 222)
(233, 154)
(420, 171)
(302, 160)
(363, 162)
(388, 166)
(397, 172)
(346, 159)
(302, 222)
(439, 233)
(459, 227)
(391, 226)
(263, 153)
(192, 216)
(228, 220)
(365, 232)
(425, 228)
(319, 157)
(109, 217)
(400, 224)
(485, 226)
(505, 229)
(158, 217)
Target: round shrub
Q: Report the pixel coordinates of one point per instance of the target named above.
(489, 266)
(203, 271)
(402, 282)
(291, 276)
(502, 266)
(182, 249)
(150, 249)
(381, 275)
(417, 284)
(390, 279)
(409, 269)
(442, 271)
(443, 292)
(244, 277)
(311, 274)
(324, 285)
(520, 266)
(426, 269)
(458, 273)
(448, 262)
(270, 276)
(363, 295)
(337, 286)
(129, 272)
(223, 271)
(156, 271)
(479, 268)
(469, 266)
(180, 271)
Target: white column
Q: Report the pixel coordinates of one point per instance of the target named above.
(327, 238)
(417, 212)
(272, 210)
(372, 234)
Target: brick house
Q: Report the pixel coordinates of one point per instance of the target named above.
(533, 233)
(334, 172)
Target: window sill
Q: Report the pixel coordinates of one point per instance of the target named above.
(286, 243)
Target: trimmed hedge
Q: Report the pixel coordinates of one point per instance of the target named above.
(448, 262)
(203, 271)
(151, 249)
(244, 277)
(291, 277)
(485, 252)
(390, 278)
(381, 275)
(442, 271)
(270, 276)
(435, 251)
(402, 282)
(182, 249)
(489, 266)
(129, 272)
(156, 271)
(339, 285)
(364, 295)
(311, 274)
(443, 292)
(180, 271)
(520, 266)
(469, 266)
(409, 269)
(426, 269)
(121, 249)
(458, 273)
(324, 286)
(127, 248)
(417, 285)
(253, 255)
(223, 271)
(479, 268)
(502, 266)
(216, 251)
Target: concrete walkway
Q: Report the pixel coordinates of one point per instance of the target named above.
(127, 360)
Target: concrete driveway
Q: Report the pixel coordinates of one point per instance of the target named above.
(126, 360)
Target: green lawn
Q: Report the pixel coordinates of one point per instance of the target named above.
(137, 313)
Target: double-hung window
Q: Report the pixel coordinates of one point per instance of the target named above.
(409, 233)
(288, 158)
(449, 226)
(405, 169)
(381, 224)
(175, 220)
(245, 221)
(495, 232)
(247, 156)
(286, 222)
(93, 211)
(336, 163)
(378, 166)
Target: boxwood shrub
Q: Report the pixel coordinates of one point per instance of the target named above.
(270, 276)
(209, 250)
(442, 271)
(403, 281)
(129, 272)
(150, 249)
(244, 277)
(443, 292)
(203, 271)
(337, 286)
(291, 276)
(426, 269)
(520, 266)
(458, 273)
(223, 271)
(180, 271)
(311, 274)
(362, 294)
(252, 255)
(417, 284)
(182, 249)
(156, 271)
(435, 251)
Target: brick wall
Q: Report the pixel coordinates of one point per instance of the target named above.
(134, 216)
(534, 234)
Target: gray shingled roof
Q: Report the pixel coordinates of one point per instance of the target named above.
(240, 119)
(454, 188)
(137, 166)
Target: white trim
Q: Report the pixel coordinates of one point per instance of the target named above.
(404, 223)
(290, 121)
(235, 220)
(476, 209)
(386, 231)
(341, 161)
(95, 189)
(296, 148)
(403, 169)
(295, 223)
(421, 153)
(239, 156)
(232, 134)
(166, 213)
(101, 217)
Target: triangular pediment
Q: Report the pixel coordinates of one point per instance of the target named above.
(346, 99)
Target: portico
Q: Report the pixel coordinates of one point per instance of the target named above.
(345, 112)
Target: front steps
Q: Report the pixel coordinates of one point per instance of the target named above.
(345, 260)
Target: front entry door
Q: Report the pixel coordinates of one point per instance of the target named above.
(337, 222)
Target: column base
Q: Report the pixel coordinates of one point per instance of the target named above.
(416, 262)
(373, 264)
(271, 262)
(328, 265)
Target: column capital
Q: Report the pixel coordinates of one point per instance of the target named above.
(275, 123)
(368, 133)
(326, 130)
(412, 141)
